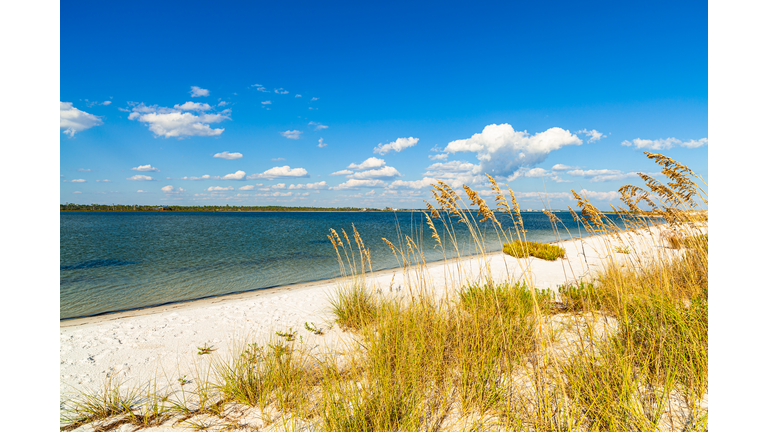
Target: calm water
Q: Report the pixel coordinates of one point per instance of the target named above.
(117, 261)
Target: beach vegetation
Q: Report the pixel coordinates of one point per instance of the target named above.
(623, 348)
(523, 249)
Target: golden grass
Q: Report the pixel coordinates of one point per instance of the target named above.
(626, 350)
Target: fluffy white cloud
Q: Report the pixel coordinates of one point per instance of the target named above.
(318, 126)
(281, 91)
(260, 88)
(140, 177)
(197, 91)
(228, 155)
(219, 188)
(247, 188)
(104, 181)
(298, 95)
(72, 120)
(398, 145)
(605, 175)
(356, 183)
(281, 172)
(106, 103)
(663, 144)
(193, 106)
(267, 103)
(75, 181)
(171, 189)
(592, 134)
(238, 175)
(173, 122)
(313, 99)
(321, 144)
(415, 184)
(371, 162)
(84, 169)
(342, 172)
(145, 168)
(291, 134)
(383, 173)
(204, 177)
(141, 191)
(600, 196)
(561, 167)
(318, 185)
(501, 150)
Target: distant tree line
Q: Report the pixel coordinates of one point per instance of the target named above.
(176, 208)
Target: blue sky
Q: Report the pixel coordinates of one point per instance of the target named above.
(313, 104)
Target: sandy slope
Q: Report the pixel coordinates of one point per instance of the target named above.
(163, 341)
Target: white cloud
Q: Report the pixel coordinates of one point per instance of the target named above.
(139, 177)
(664, 144)
(193, 106)
(291, 134)
(239, 175)
(298, 95)
(246, 188)
(72, 120)
(501, 150)
(281, 172)
(387, 172)
(561, 167)
(356, 183)
(536, 172)
(371, 162)
(281, 91)
(278, 159)
(228, 155)
(76, 192)
(141, 191)
(104, 181)
(415, 184)
(75, 181)
(318, 126)
(398, 145)
(219, 188)
(441, 157)
(223, 103)
(275, 194)
(592, 134)
(600, 196)
(321, 144)
(204, 177)
(145, 168)
(84, 169)
(318, 185)
(267, 103)
(342, 172)
(197, 91)
(171, 189)
(106, 103)
(172, 122)
(605, 175)
(313, 99)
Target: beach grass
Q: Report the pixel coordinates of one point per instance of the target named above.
(626, 349)
(523, 249)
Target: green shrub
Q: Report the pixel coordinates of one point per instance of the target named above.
(544, 251)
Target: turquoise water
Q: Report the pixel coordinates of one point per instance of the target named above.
(119, 261)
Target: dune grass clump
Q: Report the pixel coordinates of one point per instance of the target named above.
(524, 249)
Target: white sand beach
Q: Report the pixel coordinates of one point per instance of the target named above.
(163, 342)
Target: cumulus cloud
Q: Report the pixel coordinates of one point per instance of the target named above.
(228, 155)
(176, 122)
(75, 181)
(106, 103)
(371, 162)
(291, 134)
(321, 144)
(197, 91)
(267, 103)
(663, 144)
(600, 196)
(501, 150)
(145, 168)
(415, 184)
(171, 189)
(219, 188)
(318, 126)
(140, 177)
(260, 88)
(356, 184)
(72, 120)
(104, 181)
(281, 172)
(246, 188)
(561, 167)
(605, 175)
(141, 191)
(298, 95)
(281, 91)
(318, 185)
(342, 172)
(398, 145)
(313, 99)
(592, 134)
(387, 172)
(239, 175)
(193, 106)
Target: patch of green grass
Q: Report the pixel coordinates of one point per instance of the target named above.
(524, 249)
(353, 306)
